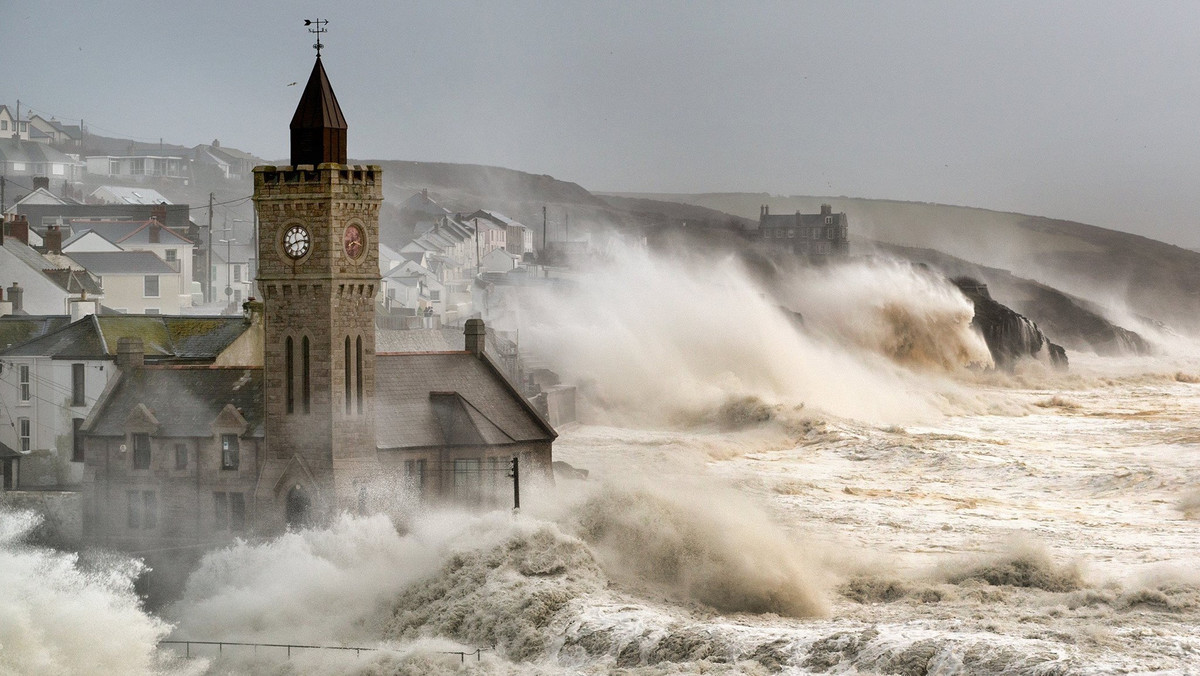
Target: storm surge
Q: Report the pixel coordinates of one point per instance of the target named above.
(653, 340)
(60, 614)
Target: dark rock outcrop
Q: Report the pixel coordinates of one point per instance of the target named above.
(1009, 335)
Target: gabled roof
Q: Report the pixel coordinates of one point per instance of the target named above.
(164, 337)
(48, 268)
(185, 400)
(421, 203)
(75, 281)
(424, 392)
(496, 218)
(134, 232)
(318, 126)
(38, 196)
(16, 330)
(123, 263)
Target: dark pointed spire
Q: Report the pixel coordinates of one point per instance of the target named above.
(318, 127)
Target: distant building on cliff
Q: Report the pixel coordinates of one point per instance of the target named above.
(814, 235)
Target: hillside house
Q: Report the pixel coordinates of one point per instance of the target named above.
(812, 235)
(137, 282)
(26, 159)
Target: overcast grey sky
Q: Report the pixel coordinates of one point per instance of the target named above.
(1086, 111)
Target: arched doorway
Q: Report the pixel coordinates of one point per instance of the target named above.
(298, 508)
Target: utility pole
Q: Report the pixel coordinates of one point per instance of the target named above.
(2, 179)
(208, 290)
(516, 477)
(566, 227)
(543, 229)
(477, 261)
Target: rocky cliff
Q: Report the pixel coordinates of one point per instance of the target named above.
(1009, 335)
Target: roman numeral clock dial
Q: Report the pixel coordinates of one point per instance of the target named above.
(296, 242)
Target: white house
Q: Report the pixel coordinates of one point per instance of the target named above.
(172, 248)
(119, 194)
(133, 166)
(137, 282)
(499, 260)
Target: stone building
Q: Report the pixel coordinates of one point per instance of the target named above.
(323, 424)
(814, 235)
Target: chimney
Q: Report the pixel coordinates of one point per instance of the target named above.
(158, 212)
(41, 182)
(14, 296)
(82, 306)
(130, 353)
(476, 336)
(5, 306)
(154, 233)
(53, 240)
(18, 228)
(826, 210)
(425, 193)
(764, 210)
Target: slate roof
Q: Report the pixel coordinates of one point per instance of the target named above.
(798, 220)
(178, 215)
(184, 399)
(75, 281)
(122, 263)
(127, 195)
(431, 399)
(164, 337)
(129, 232)
(15, 330)
(7, 453)
(13, 150)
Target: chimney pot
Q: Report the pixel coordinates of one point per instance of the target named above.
(53, 240)
(476, 334)
(41, 182)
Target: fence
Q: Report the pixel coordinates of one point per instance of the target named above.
(462, 656)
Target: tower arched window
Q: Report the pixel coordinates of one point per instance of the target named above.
(305, 377)
(349, 375)
(358, 378)
(289, 369)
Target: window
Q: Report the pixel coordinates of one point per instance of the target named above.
(414, 473)
(435, 295)
(172, 255)
(305, 382)
(181, 456)
(23, 378)
(829, 233)
(141, 451)
(229, 511)
(150, 286)
(358, 368)
(77, 382)
(143, 510)
(237, 273)
(76, 440)
(153, 311)
(348, 375)
(288, 375)
(829, 220)
(23, 431)
(466, 477)
(3, 125)
(791, 232)
(229, 451)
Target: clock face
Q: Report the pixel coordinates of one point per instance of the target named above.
(354, 241)
(296, 242)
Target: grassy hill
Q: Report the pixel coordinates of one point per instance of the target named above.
(1105, 267)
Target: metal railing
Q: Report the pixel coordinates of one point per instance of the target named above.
(358, 650)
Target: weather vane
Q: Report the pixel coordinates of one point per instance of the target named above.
(320, 28)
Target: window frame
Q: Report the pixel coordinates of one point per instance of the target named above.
(78, 384)
(231, 452)
(77, 450)
(141, 455)
(25, 383)
(25, 434)
(146, 286)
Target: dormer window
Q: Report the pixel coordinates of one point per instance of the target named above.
(141, 451)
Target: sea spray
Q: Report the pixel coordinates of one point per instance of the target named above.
(60, 615)
(654, 341)
(909, 315)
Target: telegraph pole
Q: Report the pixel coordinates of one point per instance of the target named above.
(477, 261)
(2, 179)
(208, 291)
(516, 477)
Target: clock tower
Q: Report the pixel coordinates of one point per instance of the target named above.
(319, 272)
